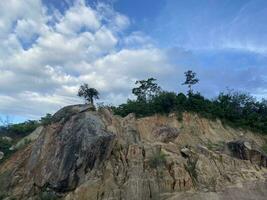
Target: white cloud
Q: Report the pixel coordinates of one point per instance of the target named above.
(81, 45)
(77, 18)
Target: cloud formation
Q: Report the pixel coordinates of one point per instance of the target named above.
(48, 48)
(46, 54)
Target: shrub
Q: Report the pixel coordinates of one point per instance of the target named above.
(157, 160)
(264, 148)
(232, 108)
(46, 120)
(22, 129)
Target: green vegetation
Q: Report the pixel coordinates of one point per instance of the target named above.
(23, 129)
(236, 109)
(147, 89)
(89, 94)
(5, 145)
(157, 160)
(264, 148)
(46, 120)
(19, 130)
(215, 146)
(191, 169)
(190, 80)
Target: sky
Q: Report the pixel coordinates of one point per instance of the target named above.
(48, 48)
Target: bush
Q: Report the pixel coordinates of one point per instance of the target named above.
(19, 130)
(264, 148)
(165, 102)
(46, 120)
(232, 108)
(4, 147)
(157, 160)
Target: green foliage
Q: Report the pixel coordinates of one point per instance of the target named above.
(146, 90)
(191, 169)
(15, 131)
(264, 148)
(232, 108)
(21, 129)
(89, 94)
(157, 160)
(215, 146)
(165, 102)
(46, 120)
(4, 147)
(190, 80)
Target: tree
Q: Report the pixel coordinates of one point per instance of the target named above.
(89, 94)
(146, 90)
(46, 120)
(190, 80)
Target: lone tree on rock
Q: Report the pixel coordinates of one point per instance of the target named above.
(89, 94)
(190, 80)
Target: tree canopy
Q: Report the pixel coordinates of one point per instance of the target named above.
(233, 108)
(89, 94)
(190, 79)
(146, 89)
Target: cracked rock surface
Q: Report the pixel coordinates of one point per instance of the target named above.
(94, 155)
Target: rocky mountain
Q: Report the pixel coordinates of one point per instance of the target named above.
(85, 154)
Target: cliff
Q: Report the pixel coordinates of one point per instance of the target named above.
(85, 154)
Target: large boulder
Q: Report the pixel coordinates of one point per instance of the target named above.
(68, 150)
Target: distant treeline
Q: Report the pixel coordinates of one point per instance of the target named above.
(234, 108)
(22, 129)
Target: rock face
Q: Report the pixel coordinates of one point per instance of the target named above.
(1, 155)
(92, 155)
(29, 138)
(246, 151)
(71, 150)
(165, 133)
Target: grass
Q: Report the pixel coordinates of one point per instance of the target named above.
(215, 146)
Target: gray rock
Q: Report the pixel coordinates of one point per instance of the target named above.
(246, 151)
(186, 152)
(1, 155)
(165, 133)
(64, 153)
(67, 112)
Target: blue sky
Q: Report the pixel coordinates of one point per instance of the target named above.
(50, 47)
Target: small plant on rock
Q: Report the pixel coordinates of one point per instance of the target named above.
(157, 160)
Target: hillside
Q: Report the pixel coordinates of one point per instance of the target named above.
(85, 154)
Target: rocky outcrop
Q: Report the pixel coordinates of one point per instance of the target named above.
(65, 153)
(165, 133)
(29, 138)
(246, 150)
(93, 155)
(1, 155)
